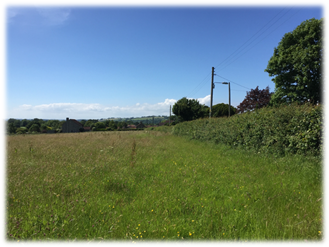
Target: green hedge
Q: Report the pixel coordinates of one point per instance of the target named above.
(129, 129)
(281, 130)
(164, 128)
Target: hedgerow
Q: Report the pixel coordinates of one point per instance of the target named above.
(293, 129)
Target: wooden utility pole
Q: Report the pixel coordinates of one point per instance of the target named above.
(153, 120)
(211, 90)
(169, 115)
(229, 99)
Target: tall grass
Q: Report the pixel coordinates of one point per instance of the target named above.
(139, 186)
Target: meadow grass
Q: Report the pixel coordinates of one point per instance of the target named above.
(137, 186)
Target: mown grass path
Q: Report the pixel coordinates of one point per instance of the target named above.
(153, 186)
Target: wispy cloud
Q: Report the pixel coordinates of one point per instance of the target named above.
(38, 16)
(54, 16)
(94, 110)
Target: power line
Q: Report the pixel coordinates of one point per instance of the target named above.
(260, 41)
(198, 86)
(233, 82)
(238, 90)
(253, 36)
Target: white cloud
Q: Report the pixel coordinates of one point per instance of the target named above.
(94, 110)
(54, 16)
(26, 107)
(87, 111)
(205, 100)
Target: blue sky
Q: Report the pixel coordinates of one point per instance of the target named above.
(106, 61)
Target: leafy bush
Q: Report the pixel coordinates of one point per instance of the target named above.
(21, 130)
(280, 130)
(221, 110)
(34, 128)
(129, 129)
(166, 129)
(100, 125)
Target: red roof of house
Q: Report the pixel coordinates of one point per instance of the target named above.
(76, 121)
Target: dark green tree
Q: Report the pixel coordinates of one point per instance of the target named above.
(188, 109)
(100, 125)
(24, 122)
(54, 124)
(17, 123)
(221, 110)
(113, 125)
(296, 65)
(122, 124)
(43, 127)
(90, 122)
(11, 129)
(11, 120)
(34, 128)
(34, 121)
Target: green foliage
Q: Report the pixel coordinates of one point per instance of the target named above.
(100, 125)
(24, 122)
(188, 109)
(11, 129)
(221, 110)
(36, 121)
(127, 129)
(280, 130)
(122, 125)
(164, 129)
(34, 128)
(21, 130)
(43, 127)
(296, 65)
(90, 122)
(54, 124)
(113, 125)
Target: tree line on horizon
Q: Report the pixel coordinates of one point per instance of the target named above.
(36, 125)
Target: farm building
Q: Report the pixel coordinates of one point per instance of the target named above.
(71, 125)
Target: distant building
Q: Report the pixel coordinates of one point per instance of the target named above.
(71, 125)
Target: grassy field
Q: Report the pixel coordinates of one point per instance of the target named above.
(138, 186)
